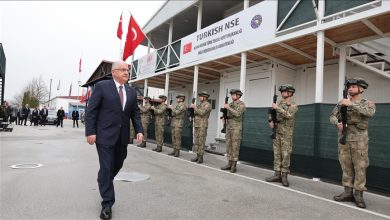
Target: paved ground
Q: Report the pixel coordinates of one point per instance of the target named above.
(65, 186)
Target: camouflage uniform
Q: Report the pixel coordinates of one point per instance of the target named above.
(145, 116)
(353, 156)
(202, 114)
(283, 134)
(132, 133)
(159, 113)
(177, 124)
(282, 144)
(234, 130)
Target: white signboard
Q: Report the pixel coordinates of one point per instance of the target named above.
(147, 65)
(255, 24)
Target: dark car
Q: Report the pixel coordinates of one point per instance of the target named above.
(52, 117)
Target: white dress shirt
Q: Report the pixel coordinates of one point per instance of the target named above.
(124, 93)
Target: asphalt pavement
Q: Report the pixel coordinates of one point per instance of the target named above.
(65, 187)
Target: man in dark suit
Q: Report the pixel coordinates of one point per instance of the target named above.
(60, 117)
(75, 118)
(43, 113)
(111, 107)
(25, 113)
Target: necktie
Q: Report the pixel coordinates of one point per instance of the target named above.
(121, 95)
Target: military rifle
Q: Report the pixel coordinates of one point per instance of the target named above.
(169, 113)
(151, 110)
(343, 117)
(272, 112)
(191, 112)
(224, 111)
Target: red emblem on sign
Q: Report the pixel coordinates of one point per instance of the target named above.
(187, 48)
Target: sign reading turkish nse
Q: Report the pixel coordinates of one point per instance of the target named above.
(254, 24)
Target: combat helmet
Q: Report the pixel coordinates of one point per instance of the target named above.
(236, 91)
(162, 97)
(357, 81)
(287, 87)
(181, 96)
(204, 94)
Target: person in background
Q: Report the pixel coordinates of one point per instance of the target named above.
(60, 117)
(44, 113)
(75, 118)
(35, 116)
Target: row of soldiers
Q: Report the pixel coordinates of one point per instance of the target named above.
(353, 154)
(201, 111)
(352, 127)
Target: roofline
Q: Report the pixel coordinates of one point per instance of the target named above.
(154, 15)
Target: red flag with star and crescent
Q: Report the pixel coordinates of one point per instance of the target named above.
(134, 37)
(119, 32)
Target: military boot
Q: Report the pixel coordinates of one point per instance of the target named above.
(177, 153)
(346, 196)
(274, 178)
(233, 169)
(227, 167)
(172, 152)
(359, 199)
(284, 179)
(195, 159)
(143, 144)
(200, 160)
(159, 149)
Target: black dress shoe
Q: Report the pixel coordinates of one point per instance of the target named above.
(106, 213)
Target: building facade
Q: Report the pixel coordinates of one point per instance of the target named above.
(255, 46)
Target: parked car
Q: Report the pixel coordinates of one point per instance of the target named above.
(52, 117)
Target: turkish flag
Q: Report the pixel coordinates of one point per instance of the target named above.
(134, 37)
(187, 48)
(85, 96)
(119, 32)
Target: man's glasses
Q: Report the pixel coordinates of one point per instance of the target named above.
(123, 70)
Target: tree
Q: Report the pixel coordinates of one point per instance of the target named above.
(30, 100)
(34, 92)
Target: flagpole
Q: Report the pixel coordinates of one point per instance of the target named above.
(79, 81)
(121, 41)
(146, 36)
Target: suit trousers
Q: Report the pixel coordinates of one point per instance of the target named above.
(111, 161)
(75, 121)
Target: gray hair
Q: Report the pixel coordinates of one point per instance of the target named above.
(116, 64)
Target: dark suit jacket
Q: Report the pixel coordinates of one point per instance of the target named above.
(75, 115)
(105, 118)
(25, 112)
(60, 114)
(43, 112)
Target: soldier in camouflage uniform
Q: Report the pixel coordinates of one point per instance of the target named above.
(145, 116)
(159, 114)
(353, 156)
(178, 111)
(202, 114)
(233, 135)
(282, 144)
